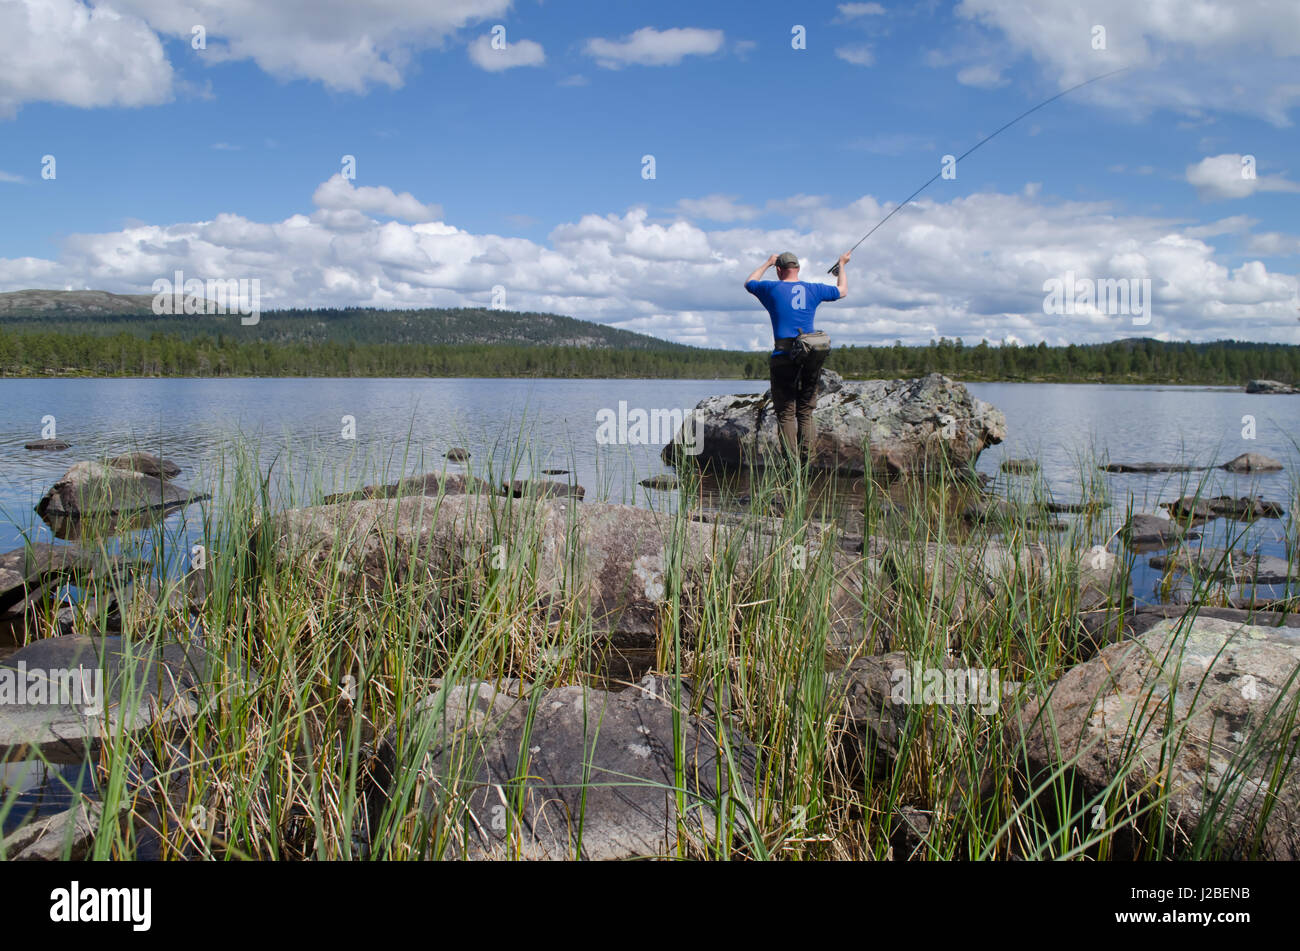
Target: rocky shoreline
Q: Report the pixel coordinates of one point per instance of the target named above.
(642, 586)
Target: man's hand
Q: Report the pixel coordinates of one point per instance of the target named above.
(758, 272)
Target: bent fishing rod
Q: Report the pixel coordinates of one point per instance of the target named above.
(899, 207)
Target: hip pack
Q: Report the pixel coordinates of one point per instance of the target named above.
(805, 345)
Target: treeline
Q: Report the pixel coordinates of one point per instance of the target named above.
(42, 353)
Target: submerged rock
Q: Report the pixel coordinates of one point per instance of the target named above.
(1149, 467)
(660, 482)
(47, 445)
(571, 772)
(1197, 708)
(1242, 567)
(457, 454)
(886, 426)
(1019, 466)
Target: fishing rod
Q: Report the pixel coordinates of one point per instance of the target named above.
(835, 269)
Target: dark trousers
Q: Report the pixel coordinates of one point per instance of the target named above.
(794, 394)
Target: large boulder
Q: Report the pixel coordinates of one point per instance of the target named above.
(1270, 386)
(106, 496)
(1200, 709)
(571, 772)
(611, 560)
(887, 426)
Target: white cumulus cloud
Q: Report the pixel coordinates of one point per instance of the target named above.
(514, 53)
(66, 52)
(973, 267)
(1232, 176)
(339, 194)
(651, 47)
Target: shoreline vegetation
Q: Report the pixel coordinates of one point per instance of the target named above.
(433, 668)
(363, 342)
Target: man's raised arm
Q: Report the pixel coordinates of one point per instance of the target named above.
(758, 271)
(841, 280)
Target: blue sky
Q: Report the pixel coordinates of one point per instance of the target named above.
(522, 167)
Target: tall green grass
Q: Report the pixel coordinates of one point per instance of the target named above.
(316, 673)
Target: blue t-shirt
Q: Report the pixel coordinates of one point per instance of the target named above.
(791, 304)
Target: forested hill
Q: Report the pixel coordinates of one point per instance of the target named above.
(103, 314)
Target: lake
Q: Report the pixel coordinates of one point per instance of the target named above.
(371, 428)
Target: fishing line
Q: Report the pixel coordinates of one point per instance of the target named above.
(1064, 92)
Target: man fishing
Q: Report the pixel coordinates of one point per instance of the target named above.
(795, 369)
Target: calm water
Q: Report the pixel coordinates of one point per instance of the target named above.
(405, 426)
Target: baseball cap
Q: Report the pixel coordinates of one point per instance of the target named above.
(787, 259)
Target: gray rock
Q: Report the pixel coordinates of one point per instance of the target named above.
(570, 772)
(1149, 467)
(65, 835)
(106, 496)
(1191, 712)
(457, 454)
(665, 482)
(76, 690)
(887, 426)
(47, 445)
(1248, 507)
(25, 571)
(431, 484)
(1242, 567)
(1145, 530)
(1269, 386)
(1019, 466)
(1253, 462)
(608, 559)
(543, 489)
(147, 463)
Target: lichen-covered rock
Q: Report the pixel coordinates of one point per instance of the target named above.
(1202, 709)
(571, 772)
(886, 426)
(611, 560)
